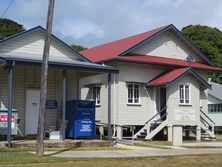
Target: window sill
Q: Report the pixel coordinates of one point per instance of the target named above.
(181, 104)
(131, 104)
(98, 105)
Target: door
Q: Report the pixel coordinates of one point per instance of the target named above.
(32, 111)
(163, 102)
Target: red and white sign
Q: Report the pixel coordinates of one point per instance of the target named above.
(4, 121)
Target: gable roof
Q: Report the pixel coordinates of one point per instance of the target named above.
(64, 62)
(216, 90)
(113, 49)
(40, 28)
(124, 46)
(168, 78)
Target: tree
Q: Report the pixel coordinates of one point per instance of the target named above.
(9, 28)
(208, 39)
(78, 47)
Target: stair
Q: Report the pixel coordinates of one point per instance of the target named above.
(156, 130)
(208, 133)
(207, 127)
(153, 126)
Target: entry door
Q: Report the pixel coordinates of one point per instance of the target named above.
(162, 101)
(32, 111)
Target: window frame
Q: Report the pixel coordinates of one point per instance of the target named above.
(133, 94)
(184, 94)
(95, 94)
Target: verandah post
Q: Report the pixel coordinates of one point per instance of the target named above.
(10, 98)
(109, 107)
(64, 83)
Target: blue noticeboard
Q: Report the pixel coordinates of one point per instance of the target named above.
(80, 115)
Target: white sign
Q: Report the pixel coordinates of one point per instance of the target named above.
(185, 115)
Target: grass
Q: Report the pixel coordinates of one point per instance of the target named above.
(172, 161)
(27, 149)
(154, 144)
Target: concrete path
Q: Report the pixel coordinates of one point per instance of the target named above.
(136, 152)
(203, 144)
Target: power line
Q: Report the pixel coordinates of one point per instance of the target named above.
(7, 8)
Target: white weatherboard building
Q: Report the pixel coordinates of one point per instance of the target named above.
(215, 103)
(156, 87)
(21, 55)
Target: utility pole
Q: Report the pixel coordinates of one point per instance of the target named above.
(43, 87)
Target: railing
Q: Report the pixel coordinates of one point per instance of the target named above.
(116, 139)
(147, 123)
(207, 120)
(158, 113)
(207, 117)
(125, 139)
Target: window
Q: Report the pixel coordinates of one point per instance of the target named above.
(96, 94)
(214, 108)
(133, 93)
(185, 94)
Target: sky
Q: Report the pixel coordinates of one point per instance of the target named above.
(93, 22)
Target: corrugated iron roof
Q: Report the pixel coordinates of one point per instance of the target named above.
(123, 46)
(164, 61)
(113, 49)
(167, 78)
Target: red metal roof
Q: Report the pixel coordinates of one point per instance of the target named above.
(165, 78)
(165, 61)
(114, 49)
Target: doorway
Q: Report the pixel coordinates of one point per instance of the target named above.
(32, 111)
(162, 103)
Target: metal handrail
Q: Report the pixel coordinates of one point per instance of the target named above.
(205, 122)
(156, 115)
(207, 117)
(160, 117)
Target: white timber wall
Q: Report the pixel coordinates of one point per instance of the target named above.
(28, 77)
(216, 116)
(122, 113)
(166, 45)
(86, 84)
(139, 73)
(33, 43)
(183, 114)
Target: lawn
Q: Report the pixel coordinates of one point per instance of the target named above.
(172, 161)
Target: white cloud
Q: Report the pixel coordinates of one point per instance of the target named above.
(92, 22)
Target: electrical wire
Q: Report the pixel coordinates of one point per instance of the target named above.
(7, 8)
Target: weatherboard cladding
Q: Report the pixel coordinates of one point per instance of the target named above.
(28, 77)
(166, 45)
(173, 101)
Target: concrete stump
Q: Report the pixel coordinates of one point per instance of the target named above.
(177, 135)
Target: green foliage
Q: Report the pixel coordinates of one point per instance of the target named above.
(208, 39)
(78, 47)
(9, 28)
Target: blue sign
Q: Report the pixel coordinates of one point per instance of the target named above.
(81, 118)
